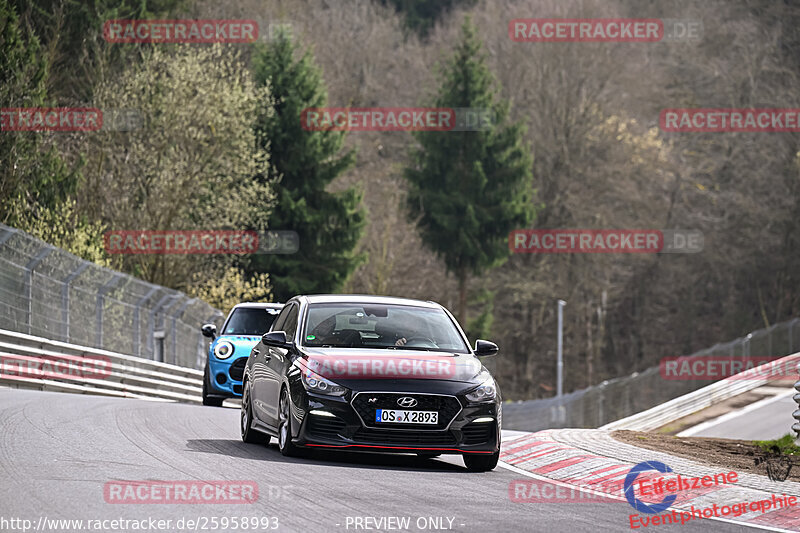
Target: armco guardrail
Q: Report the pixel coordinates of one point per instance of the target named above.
(27, 361)
(624, 396)
(48, 292)
(700, 399)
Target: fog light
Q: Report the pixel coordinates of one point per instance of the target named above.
(322, 413)
(483, 419)
(221, 379)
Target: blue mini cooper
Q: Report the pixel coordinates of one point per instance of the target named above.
(228, 352)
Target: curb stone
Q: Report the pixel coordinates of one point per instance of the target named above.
(601, 463)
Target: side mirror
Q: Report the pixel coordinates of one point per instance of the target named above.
(275, 338)
(485, 348)
(209, 330)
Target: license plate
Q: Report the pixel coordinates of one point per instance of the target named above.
(396, 416)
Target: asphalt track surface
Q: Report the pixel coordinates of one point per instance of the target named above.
(58, 451)
(767, 419)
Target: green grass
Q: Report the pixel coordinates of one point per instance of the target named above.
(784, 445)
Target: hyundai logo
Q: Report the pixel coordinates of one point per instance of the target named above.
(406, 401)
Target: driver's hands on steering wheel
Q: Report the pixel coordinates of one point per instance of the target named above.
(414, 340)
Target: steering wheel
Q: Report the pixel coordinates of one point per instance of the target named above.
(421, 339)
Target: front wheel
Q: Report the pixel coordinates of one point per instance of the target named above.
(250, 435)
(285, 443)
(481, 463)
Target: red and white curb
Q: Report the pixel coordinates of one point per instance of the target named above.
(540, 456)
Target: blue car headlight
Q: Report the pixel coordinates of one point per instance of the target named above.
(223, 349)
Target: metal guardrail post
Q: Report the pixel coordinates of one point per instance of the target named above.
(178, 314)
(65, 299)
(176, 298)
(151, 321)
(101, 295)
(790, 325)
(600, 404)
(8, 233)
(137, 321)
(29, 282)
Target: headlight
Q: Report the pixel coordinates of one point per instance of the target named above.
(313, 382)
(486, 391)
(223, 350)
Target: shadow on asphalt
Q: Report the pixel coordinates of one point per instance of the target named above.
(237, 448)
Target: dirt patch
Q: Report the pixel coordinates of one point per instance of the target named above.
(724, 454)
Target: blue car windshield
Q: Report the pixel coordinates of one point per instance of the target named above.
(250, 321)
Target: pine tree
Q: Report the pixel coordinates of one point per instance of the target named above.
(469, 189)
(329, 225)
(32, 174)
(422, 15)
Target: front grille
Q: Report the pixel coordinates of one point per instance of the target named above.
(236, 371)
(389, 437)
(447, 406)
(477, 433)
(324, 427)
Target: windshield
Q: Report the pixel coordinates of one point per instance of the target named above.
(250, 321)
(381, 326)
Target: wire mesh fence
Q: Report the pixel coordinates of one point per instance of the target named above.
(47, 292)
(624, 396)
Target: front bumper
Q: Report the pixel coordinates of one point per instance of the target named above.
(348, 423)
(230, 373)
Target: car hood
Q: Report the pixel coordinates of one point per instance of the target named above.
(346, 364)
(242, 344)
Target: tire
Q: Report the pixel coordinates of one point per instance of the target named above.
(208, 400)
(250, 435)
(285, 444)
(423, 455)
(481, 463)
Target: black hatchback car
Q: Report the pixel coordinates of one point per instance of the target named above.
(372, 374)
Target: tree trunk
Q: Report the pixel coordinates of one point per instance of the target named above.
(462, 297)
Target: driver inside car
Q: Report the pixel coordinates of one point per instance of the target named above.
(326, 333)
(412, 330)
